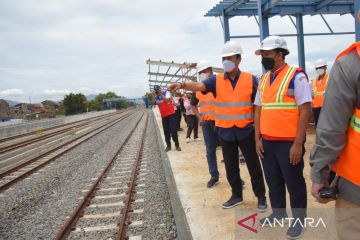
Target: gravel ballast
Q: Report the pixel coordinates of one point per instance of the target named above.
(37, 207)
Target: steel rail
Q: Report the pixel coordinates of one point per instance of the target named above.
(29, 172)
(76, 214)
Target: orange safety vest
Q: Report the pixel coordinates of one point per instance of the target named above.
(233, 107)
(348, 164)
(279, 112)
(206, 106)
(319, 89)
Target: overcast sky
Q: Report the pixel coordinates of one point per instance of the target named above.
(51, 48)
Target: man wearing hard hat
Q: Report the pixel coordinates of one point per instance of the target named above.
(283, 108)
(204, 108)
(319, 87)
(234, 93)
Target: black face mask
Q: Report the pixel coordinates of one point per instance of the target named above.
(268, 63)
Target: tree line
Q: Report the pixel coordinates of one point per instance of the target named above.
(75, 103)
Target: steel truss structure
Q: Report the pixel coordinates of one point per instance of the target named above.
(262, 10)
(164, 73)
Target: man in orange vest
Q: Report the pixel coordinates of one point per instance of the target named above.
(283, 108)
(206, 116)
(338, 134)
(319, 87)
(234, 92)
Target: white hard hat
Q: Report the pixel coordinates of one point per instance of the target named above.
(202, 65)
(271, 43)
(231, 48)
(320, 63)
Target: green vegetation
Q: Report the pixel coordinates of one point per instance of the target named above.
(97, 104)
(75, 103)
(60, 112)
(151, 97)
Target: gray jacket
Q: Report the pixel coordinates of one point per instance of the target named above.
(342, 96)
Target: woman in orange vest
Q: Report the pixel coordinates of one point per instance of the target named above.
(319, 87)
(283, 108)
(338, 134)
(234, 93)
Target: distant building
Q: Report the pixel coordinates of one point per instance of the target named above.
(20, 110)
(4, 111)
(46, 109)
(50, 105)
(4, 108)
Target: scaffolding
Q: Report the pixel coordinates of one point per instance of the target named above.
(165, 73)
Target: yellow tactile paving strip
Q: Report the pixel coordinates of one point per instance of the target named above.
(202, 206)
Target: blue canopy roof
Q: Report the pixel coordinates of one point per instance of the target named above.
(281, 7)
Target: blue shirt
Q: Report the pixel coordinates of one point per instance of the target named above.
(164, 94)
(234, 133)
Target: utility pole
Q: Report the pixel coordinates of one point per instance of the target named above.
(30, 107)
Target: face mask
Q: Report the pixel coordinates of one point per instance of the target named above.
(228, 65)
(203, 76)
(268, 63)
(320, 71)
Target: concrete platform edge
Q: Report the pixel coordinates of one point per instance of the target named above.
(182, 226)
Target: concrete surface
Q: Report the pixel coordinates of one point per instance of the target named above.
(202, 206)
(182, 226)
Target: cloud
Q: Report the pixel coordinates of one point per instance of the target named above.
(64, 46)
(53, 92)
(11, 92)
(87, 90)
(60, 93)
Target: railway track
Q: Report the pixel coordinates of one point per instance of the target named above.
(20, 154)
(17, 141)
(12, 175)
(114, 195)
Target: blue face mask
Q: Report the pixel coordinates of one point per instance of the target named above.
(228, 65)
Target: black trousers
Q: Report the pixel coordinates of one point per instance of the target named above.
(316, 113)
(170, 129)
(193, 124)
(185, 118)
(179, 115)
(231, 158)
(279, 172)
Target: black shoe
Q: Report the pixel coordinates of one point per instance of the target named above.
(180, 129)
(262, 205)
(232, 202)
(296, 230)
(168, 148)
(242, 161)
(212, 182)
(178, 148)
(269, 221)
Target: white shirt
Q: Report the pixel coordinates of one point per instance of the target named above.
(167, 94)
(188, 107)
(302, 90)
(176, 103)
